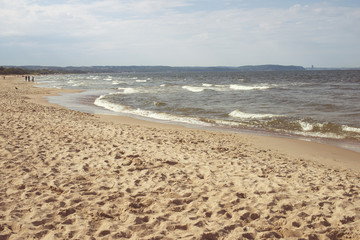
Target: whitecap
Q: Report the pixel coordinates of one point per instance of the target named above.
(128, 90)
(108, 105)
(193, 89)
(243, 115)
(116, 82)
(306, 126)
(350, 129)
(141, 81)
(217, 88)
(100, 101)
(248, 88)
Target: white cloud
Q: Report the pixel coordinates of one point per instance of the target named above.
(160, 32)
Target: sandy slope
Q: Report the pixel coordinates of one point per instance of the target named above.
(71, 175)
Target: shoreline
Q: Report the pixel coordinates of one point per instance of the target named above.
(90, 107)
(281, 142)
(69, 174)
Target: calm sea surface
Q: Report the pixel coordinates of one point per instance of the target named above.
(315, 105)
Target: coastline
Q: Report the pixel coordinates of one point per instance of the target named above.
(68, 174)
(316, 149)
(84, 101)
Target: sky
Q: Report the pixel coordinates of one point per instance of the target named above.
(323, 33)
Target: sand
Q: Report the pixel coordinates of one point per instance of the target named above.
(72, 175)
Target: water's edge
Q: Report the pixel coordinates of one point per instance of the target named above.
(84, 102)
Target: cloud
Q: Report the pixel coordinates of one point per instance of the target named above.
(179, 32)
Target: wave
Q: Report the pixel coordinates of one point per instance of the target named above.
(243, 115)
(247, 88)
(350, 129)
(128, 90)
(318, 134)
(141, 81)
(223, 88)
(100, 101)
(116, 82)
(75, 83)
(207, 86)
(194, 89)
(306, 126)
(93, 77)
(159, 104)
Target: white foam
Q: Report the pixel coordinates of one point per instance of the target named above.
(145, 113)
(317, 134)
(229, 123)
(248, 88)
(128, 90)
(168, 117)
(306, 126)
(141, 81)
(351, 129)
(243, 115)
(108, 105)
(206, 86)
(116, 82)
(193, 89)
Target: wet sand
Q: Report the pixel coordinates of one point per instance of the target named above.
(72, 175)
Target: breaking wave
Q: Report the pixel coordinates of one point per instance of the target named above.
(248, 88)
(243, 115)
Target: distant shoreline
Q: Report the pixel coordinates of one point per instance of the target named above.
(38, 69)
(118, 69)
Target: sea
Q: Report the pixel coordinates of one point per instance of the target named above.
(322, 106)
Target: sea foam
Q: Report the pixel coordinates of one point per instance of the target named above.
(128, 90)
(243, 115)
(100, 101)
(194, 89)
(248, 88)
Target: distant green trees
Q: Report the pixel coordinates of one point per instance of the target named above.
(34, 70)
(22, 71)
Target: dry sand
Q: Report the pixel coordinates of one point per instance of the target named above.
(71, 175)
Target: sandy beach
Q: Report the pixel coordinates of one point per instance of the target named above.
(72, 175)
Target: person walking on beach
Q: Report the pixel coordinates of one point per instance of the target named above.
(32, 79)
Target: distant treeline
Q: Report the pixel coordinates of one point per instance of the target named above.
(23, 71)
(120, 69)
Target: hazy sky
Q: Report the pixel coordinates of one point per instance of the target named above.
(180, 32)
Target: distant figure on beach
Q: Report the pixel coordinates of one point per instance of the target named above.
(32, 79)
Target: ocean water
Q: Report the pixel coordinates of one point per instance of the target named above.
(314, 105)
